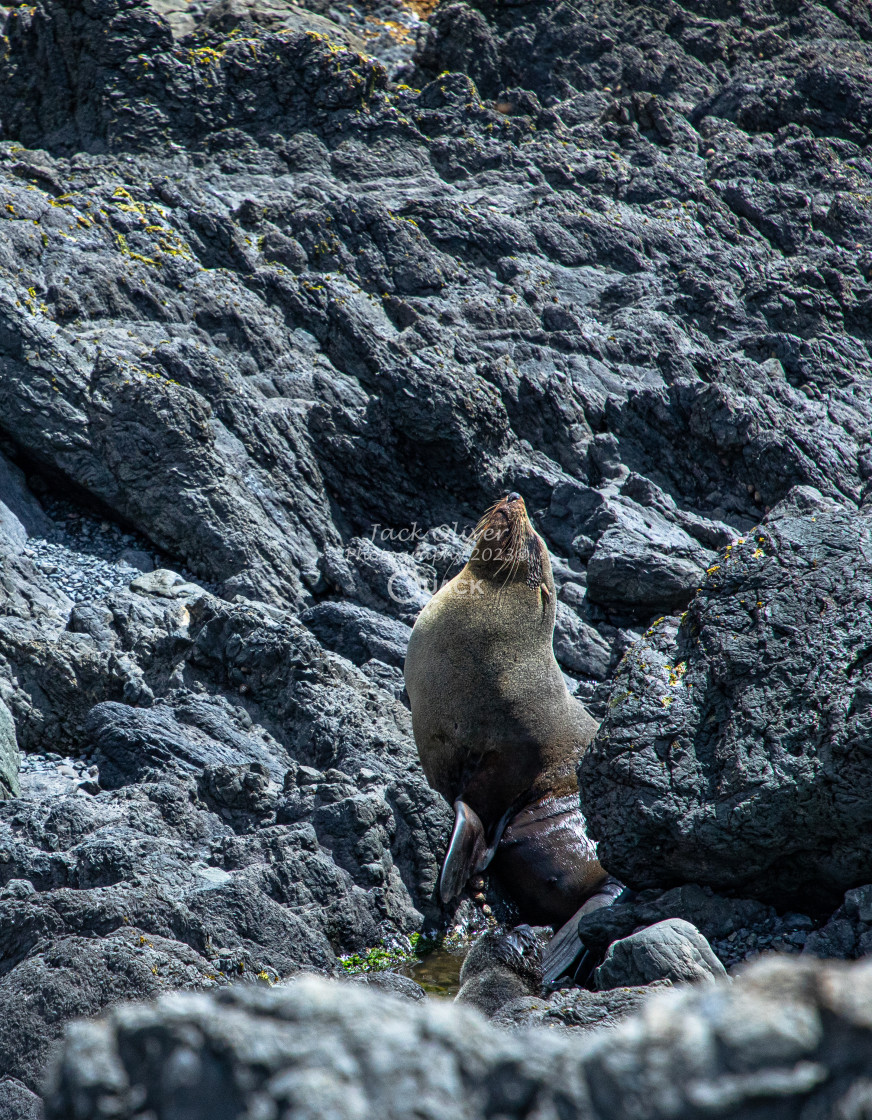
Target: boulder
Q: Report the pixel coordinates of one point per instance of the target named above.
(21, 515)
(17, 1102)
(358, 633)
(736, 749)
(392, 983)
(576, 1009)
(578, 647)
(713, 915)
(644, 562)
(669, 950)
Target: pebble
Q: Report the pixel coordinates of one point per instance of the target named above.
(786, 934)
(88, 557)
(46, 762)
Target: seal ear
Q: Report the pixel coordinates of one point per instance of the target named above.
(467, 852)
(535, 548)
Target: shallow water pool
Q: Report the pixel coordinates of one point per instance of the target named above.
(438, 972)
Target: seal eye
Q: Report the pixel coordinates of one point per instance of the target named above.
(514, 497)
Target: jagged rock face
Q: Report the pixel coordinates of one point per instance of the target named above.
(340, 292)
(763, 65)
(791, 1038)
(736, 747)
(10, 757)
(262, 813)
(298, 327)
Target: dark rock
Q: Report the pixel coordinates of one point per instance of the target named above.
(644, 562)
(670, 950)
(734, 750)
(17, 1102)
(848, 932)
(576, 1009)
(392, 983)
(21, 515)
(578, 647)
(276, 15)
(136, 558)
(714, 916)
(287, 329)
(240, 787)
(791, 1035)
(153, 861)
(133, 743)
(388, 677)
(393, 583)
(209, 832)
(10, 757)
(76, 976)
(358, 633)
(624, 375)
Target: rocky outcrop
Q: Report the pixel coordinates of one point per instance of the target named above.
(786, 1038)
(848, 932)
(278, 330)
(10, 758)
(735, 752)
(231, 836)
(643, 64)
(734, 927)
(20, 513)
(304, 369)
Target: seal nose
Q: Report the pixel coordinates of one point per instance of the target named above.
(514, 497)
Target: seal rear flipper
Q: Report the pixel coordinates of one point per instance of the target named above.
(566, 953)
(468, 852)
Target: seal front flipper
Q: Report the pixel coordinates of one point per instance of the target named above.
(566, 953)
(468, 852)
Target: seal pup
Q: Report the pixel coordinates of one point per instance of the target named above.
(497, 732)
(499, 967)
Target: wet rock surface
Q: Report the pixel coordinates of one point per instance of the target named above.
(783, 1037)
(278, 320)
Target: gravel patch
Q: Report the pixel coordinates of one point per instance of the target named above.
(88, 557)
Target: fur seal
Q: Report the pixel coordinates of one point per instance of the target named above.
(497, 732)
(501, 966)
